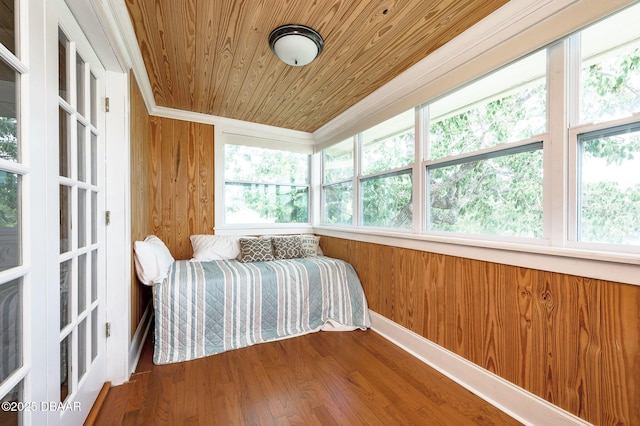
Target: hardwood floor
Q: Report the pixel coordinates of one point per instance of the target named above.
(353, 378)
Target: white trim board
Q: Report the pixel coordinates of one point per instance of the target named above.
(140, 336)
(511, 399)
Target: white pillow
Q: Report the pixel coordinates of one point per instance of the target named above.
(310, 245)
(152, 260)
(215, 247)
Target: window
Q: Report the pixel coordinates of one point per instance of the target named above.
(338, 183)
(484, 171)
(265, 185)
(546, 148)
(607, 135)
(388, 153)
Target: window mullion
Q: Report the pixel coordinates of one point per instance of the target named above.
(418, 175)
(555, 154)
(356, 203)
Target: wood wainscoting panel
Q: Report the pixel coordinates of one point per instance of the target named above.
(570, 340)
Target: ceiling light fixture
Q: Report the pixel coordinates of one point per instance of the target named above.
(296, 45)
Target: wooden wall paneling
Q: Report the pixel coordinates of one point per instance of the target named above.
(620, 360)
(206, 189)
(435, 309)
(140, 166)
(168, 162)
(156, 174)
(570, 340)
(586, 315)
(191, 183)
(181, 142)
(419, 306)
(522, 279)
(493, 321)
(183, 175)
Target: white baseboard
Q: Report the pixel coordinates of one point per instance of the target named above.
(135, 349)
(511, 399)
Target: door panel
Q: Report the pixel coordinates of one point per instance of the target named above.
(81, 359)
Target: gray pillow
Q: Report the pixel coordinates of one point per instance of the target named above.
(255, 250)
(287, 247)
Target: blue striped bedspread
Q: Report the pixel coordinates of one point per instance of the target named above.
(205, 308)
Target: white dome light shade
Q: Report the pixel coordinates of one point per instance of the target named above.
(296, 45)
(295, 50)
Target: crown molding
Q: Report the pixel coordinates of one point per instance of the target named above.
(230, 125)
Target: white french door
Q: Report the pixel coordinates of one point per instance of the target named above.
(78, 365)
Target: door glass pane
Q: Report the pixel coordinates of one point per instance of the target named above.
(82, 348)
(10, 239)
(65, 368)
(80, 85)
(82, 283)
(82, 217)
(12, 418)
(8, 113)
(65, 291)
(94, 159)
(65, 218)
(93, 102)
(10, 328)
(64, 142)
(94, 217)
(8, 25)
(82, 154)
(94, 334)
(62, 66)
(94, 275)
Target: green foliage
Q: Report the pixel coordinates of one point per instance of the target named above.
(338, 202)
(8, 200)
(386, 201)
(270, 184)
(611, 87)
(502, 195)
(610, 213)
(8, 138)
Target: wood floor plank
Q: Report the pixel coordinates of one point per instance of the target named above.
(353, 378)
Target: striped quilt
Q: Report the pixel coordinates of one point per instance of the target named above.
(205, 308)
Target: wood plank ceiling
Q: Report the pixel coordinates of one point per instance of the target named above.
(213, 57)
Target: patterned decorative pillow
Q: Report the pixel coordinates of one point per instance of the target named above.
(255, 250)
(287, 247)
(310, 245)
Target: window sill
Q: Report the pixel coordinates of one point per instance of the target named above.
(610, 266)
(264, 229)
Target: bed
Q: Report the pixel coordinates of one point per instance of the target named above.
(207, 306)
